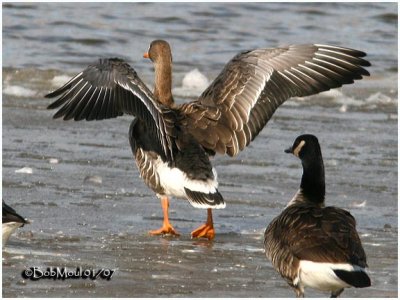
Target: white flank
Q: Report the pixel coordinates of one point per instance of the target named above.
(321, 276)
(174, 181)
(8, 229)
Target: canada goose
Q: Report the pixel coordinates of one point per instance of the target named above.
(309, 244)
(172, 143)
(11, 221)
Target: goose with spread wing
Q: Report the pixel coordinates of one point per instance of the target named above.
(172, 143)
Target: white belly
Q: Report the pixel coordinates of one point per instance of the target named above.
(174, 181)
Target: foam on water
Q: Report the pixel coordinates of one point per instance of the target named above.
(380, 98)
(54, 161)
(93, 179)
(23, 84)
(18, 91)
(336, 96)
(60, 80)
(358, 204)
(24, 170)
(193, 84)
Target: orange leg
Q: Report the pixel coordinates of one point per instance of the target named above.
(206, 230)
(167, 227)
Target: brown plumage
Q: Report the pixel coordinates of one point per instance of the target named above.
(317, 234)
(225, 118)
(307, 231)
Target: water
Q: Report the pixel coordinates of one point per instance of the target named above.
(85, 199)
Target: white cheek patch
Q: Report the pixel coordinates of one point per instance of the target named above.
(297, 150)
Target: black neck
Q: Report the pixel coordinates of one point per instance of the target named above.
(313, 180)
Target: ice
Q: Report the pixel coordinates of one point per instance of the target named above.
(24, 170)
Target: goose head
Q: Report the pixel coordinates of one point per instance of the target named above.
(305, 147)
(160, 54)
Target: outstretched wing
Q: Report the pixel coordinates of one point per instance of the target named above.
(239, 102)
(109, 89)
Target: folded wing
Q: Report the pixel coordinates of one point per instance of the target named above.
(325, 235)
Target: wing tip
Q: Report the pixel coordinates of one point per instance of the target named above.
(52, 94)
(52, 105)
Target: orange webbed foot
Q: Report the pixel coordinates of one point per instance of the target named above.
(165, 230)
(204, 231)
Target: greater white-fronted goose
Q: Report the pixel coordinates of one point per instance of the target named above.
(309, 244)
(172, 143)
(11, 221)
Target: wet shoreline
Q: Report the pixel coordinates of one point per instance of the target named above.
(77, 222)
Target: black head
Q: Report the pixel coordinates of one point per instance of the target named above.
(305, 146)
(159, 50)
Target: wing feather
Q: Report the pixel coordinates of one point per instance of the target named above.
(255, 83)
(109, 89)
